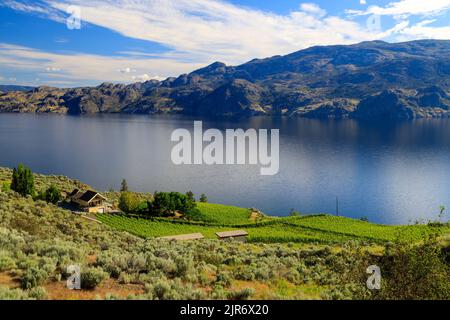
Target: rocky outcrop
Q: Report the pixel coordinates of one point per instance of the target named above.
(370, 80)
(397, 104)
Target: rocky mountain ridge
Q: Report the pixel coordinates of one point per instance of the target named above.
(368, 80)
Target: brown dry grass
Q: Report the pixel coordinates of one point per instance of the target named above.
(59, 291)
(7, 279)
(262, 290)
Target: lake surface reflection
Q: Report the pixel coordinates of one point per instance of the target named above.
(388, 172)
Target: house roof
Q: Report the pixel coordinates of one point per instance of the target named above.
(230, 234)
(74, 192)
(182, 237)
(89, 195)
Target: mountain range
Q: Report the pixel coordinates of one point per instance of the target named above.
(8, 88)
(369, 80)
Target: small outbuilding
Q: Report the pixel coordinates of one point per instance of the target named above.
(185, 237)
(238, 235)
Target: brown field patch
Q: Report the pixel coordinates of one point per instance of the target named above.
(262, 290)
(59, 291)
(9, 280)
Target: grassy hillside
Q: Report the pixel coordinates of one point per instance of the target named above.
(221, 214)
(65, 184)
(318, 229)
(39, 240)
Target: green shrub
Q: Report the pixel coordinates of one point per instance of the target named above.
(223, 278)
(243, 294)
(164, 289)
(5, 186)
(53, 195)
(219, 293)
(92, 277)
(128, 202)
(415, 272)
(203, 198)
(161, 290)
(33, 277)
(125, 278)
(408, 272)
(12, 294)
(6, 262)
(38, 293)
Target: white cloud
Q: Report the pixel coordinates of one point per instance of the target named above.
(52, 69)
(423, 30)
(198, 32)
(407, 8)
(126, 70)
(40, 9)
(209, 30)
(145, 77)
(76, 69)
(362, 2)
(313, 9)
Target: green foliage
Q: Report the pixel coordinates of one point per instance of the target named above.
(33, 277)
(124, 186)
(156, 228)
(222, 214)
(6, 261)
(53, 195)
(38, 293)
(6, 186)
(12, 294)
(38, 241)
(203, 198)
(366, 231)
(321, 229)
(408, 272)
(191, 196)
(415, 272)
(164, 289)
(128, 202)
(92, 277)
(166, 204)
(243, 294)
(23, 181)
(294, 213)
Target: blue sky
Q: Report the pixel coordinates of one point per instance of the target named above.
(137, 40)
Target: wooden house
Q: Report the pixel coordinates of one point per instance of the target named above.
(89, 201)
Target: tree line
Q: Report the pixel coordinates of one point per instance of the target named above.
(163, 204)
(22, 182)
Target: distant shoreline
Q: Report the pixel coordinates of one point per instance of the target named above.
(368, 80)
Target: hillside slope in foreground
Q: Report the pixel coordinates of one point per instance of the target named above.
(38, 241)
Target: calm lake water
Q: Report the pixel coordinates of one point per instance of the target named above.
(388, 172)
